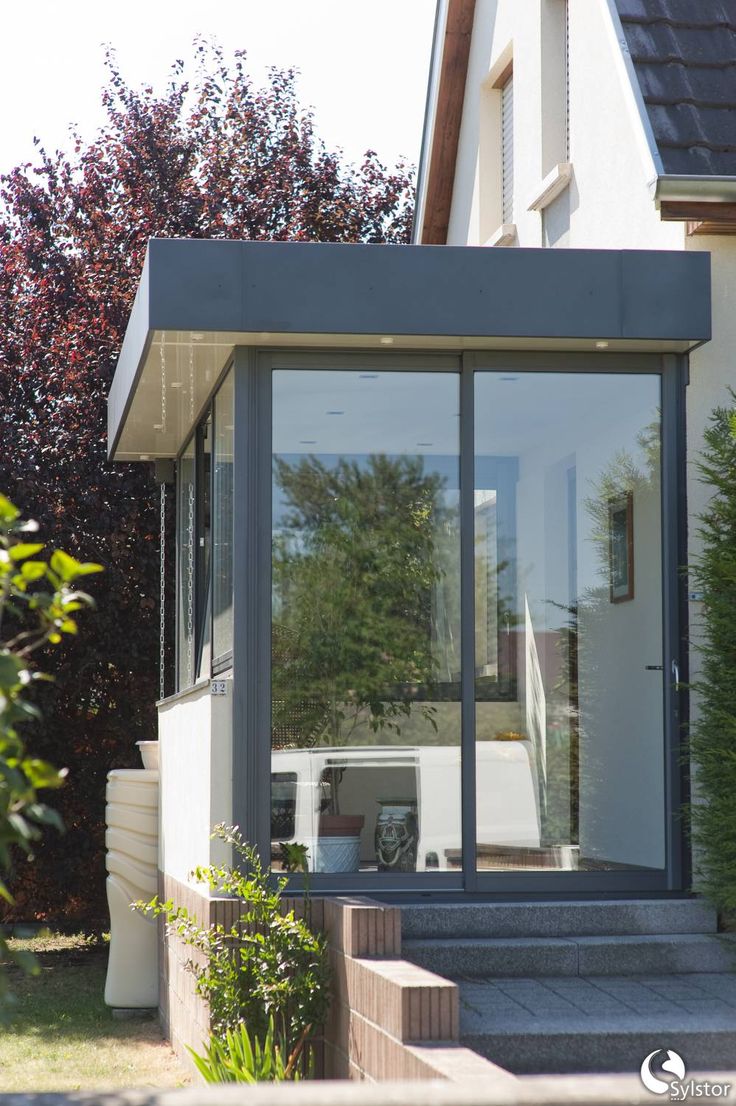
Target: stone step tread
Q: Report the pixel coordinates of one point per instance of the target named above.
(616, 1048)
(591, 918)
(616, 939)
(474, 957)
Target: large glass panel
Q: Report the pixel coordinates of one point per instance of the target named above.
(568, 589)
(222, 521)
(365, 636)
(186, 522)
(204, 537)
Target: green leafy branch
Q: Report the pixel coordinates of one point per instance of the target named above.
(40, 599)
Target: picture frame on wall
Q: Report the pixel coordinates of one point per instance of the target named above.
(621, 547)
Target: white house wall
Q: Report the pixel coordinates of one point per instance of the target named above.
(195, 735)
(608, 204)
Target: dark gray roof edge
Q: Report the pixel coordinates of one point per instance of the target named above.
(131, 358)
(264, 288)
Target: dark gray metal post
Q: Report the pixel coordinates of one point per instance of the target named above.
(467, 618)
(252, 600)
(674, 607)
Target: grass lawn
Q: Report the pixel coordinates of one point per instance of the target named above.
(61, 1036)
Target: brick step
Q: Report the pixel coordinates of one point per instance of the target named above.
(569, 956)
(589, 918)
(600, 1024)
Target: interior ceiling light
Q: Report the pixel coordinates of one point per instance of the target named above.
(197, 336)
(176, 384)
(308, 441)
(158, 426)
(508, 378)
(367, 376)
(425, 443)
(335, 412)
(386, 340)
(601, 344)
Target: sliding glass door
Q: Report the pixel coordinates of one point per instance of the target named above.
(569, 756)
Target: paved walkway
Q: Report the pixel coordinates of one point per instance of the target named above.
(600, 1023)
(490, 1005)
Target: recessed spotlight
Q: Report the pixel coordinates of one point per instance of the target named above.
(386, 340)
(197, 336)
(144, 457)
(158, 426)
(176, 384)
(601, 344)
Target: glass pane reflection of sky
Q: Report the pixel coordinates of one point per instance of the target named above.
(353, 413)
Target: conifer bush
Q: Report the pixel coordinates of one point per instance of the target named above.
(713, 735)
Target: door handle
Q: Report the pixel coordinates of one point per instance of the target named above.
(676, 674)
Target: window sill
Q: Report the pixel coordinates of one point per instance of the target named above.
(552, 186)
(504, 236)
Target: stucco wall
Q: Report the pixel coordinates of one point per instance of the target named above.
(195, 733)
(712, 372)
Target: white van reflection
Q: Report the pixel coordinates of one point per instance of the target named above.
(411, 792)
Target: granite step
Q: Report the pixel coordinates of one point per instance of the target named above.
(569, 956)
(600, 1023)
(588, 918)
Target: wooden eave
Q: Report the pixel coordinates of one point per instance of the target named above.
(702, 217)
(448, 116)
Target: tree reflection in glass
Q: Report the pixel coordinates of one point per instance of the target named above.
(365, 617)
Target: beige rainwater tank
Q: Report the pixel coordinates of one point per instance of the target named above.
(132, 867)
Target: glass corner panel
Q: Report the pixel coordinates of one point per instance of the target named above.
(222, 520)
(186, 562)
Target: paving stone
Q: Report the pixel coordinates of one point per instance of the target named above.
(600, 1023)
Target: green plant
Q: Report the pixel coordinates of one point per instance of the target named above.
(39, 600)
(238, 1060)
(713, 735)
(268, 969)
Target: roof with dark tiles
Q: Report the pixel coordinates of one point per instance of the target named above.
(684, 54)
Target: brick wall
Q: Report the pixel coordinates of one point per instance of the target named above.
(388, 1020)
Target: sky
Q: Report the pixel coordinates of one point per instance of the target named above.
(363, 64)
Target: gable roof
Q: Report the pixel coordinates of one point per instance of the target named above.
(684, 55)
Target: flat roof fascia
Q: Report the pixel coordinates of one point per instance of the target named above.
(132, 357)
(334, 290)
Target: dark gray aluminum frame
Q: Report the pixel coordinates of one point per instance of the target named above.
(252, 614)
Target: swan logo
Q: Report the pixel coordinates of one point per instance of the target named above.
(674, 1063)
(678, 1089)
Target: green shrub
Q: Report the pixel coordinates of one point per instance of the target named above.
(267, 972)
(238, 1060)
(39, 601)
(713, 736)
